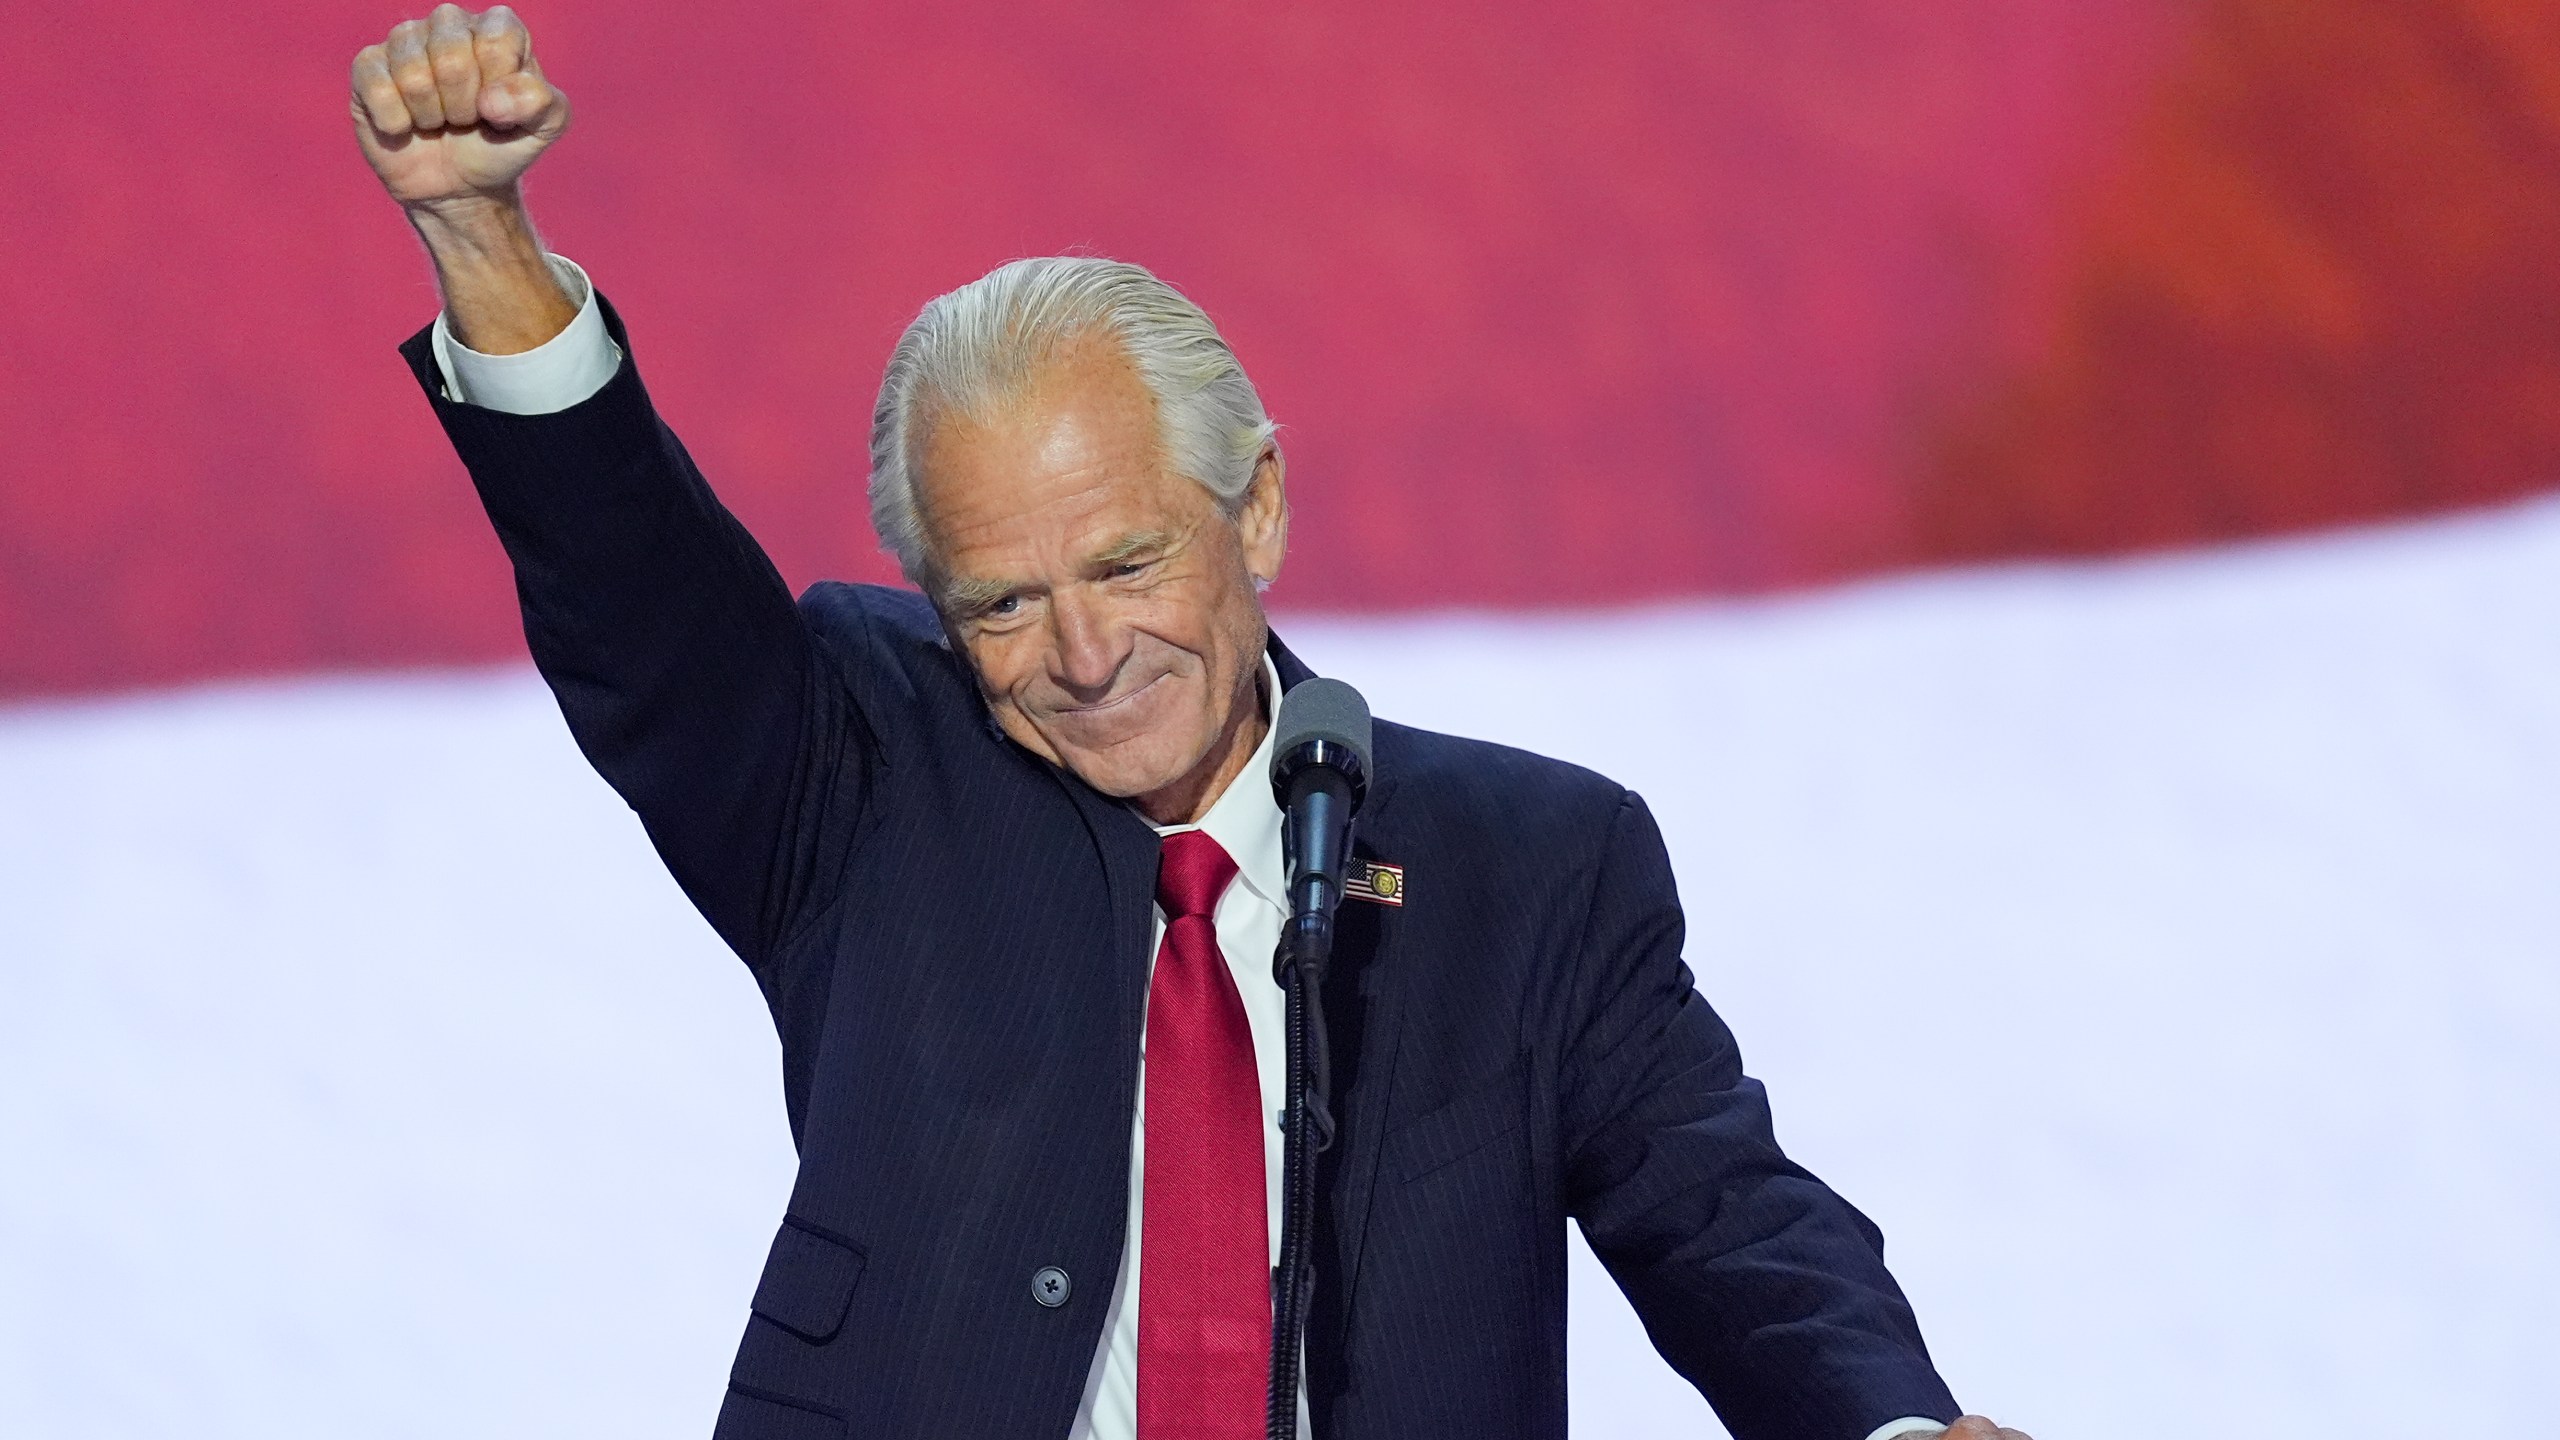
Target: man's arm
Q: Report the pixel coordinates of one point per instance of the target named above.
(1760, 1285)
(680, 662)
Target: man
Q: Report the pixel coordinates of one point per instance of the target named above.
(1004, 861)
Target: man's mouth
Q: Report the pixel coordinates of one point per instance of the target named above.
(1108, 724)
(1104, 707)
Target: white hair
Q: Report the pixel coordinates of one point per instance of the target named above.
(973, 349)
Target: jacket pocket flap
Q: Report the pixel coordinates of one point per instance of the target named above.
(808, 1281)
(752, 1415)
(1479, 1115)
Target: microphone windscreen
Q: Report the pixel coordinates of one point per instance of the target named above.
(1321, 709)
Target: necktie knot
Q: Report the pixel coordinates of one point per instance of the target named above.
(1194, 873)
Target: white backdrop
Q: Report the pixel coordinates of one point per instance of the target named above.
(2166, 954)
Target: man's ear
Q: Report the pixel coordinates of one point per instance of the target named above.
(1263, 522)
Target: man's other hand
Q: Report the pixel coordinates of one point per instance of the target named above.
(1975, 1427)
(452, 109)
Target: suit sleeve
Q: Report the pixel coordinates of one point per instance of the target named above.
(686, 673)
(1760, 1285)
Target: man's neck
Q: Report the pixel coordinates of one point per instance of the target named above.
(1186, 800)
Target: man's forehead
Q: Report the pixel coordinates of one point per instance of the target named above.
(1096, 517)
(1084, 505)
(1066, 445)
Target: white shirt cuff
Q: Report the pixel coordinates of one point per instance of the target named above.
(552, 376)
(1907, 1425)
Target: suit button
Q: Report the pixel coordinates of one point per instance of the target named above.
(1049, 1286)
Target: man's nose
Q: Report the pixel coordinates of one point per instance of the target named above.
(1090, 647)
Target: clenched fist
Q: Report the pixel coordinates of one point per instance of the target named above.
(452, 108)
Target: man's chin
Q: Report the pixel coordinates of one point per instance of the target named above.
(1131, 765)
(1122, 778)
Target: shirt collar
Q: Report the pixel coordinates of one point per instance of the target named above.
(1245, 819)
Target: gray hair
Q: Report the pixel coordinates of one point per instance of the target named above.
(979, 345)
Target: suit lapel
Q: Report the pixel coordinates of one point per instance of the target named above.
(1363, 993)
(1130, 852)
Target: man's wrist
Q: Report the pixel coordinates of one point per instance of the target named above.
(552, 376)
(475, 228)
(500, 295)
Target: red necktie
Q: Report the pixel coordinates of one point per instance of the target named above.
(1204, 1260)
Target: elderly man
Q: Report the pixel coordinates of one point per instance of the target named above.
(1003, 860)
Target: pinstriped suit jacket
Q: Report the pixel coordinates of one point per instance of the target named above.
(951, 935)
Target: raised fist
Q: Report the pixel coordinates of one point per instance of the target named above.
(453, 107)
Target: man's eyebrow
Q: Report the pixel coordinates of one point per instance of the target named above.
(967, 597)
(964, 597)
(1129, 547)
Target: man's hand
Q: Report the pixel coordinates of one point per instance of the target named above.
(450, 110)
(1974, 1427)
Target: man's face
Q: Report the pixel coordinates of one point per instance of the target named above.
(1107, 604)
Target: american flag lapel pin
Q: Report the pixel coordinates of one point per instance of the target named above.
(1376, 883)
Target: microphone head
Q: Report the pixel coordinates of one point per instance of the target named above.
(1319, 710)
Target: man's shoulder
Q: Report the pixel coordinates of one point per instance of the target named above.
(1465, 786)
(847, 611)
(1509, 843)
(887, 642)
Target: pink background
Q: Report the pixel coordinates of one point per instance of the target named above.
(1562, 304)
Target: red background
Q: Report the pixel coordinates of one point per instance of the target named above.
(1561, 303)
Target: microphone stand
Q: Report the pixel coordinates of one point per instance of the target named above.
(1306, 946)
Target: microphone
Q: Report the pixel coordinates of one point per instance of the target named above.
(1319, 774)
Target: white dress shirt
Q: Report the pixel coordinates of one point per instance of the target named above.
(1245, 819)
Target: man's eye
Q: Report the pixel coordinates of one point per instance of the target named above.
(1127, 568)
(1009, 605)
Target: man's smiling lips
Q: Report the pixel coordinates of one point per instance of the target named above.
(1102, 713)
(1101, 705)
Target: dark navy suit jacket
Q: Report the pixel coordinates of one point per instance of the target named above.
(952, 936)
